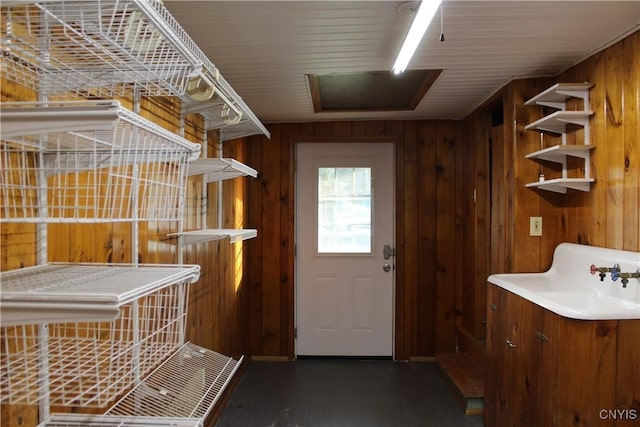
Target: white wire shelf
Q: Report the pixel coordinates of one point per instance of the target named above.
(201, 236)
(219, 169)
(84, 161)
(112, 48)
(80, 420)
(62, 292)
(88, 363)
(187, 385)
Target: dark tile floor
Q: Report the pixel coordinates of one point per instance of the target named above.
(343, 392)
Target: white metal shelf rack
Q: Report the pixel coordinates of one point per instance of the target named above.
(559, 123)
(110, 48)
(83, 334)
(82, 161)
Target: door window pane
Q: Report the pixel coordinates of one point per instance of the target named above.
(344, 210)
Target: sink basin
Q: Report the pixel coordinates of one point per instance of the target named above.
(569, 289)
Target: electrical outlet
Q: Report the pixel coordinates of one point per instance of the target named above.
(535, 226)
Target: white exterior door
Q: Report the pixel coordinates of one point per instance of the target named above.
(344, 219)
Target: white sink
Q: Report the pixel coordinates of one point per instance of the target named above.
(569, 289)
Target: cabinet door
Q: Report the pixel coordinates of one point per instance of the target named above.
(492, 340)
(517, 357)
(586, 366)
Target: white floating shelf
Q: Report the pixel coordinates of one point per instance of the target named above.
(200, 236)
(558, 153)
(557, 122)
(60, 292)
(560, 185)
(557, 95)
(187, 385)
(218, 169)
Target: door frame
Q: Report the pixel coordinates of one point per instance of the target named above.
(395, 162)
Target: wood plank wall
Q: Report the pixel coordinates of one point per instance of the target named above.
(428, 231)
(609, 214)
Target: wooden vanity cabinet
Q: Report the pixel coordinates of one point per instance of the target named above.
(549, 370)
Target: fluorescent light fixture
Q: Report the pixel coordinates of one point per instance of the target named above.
(426, 12)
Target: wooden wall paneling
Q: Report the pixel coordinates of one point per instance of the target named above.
(527, 202)
(614, 132)
(427, 223)
(628, 370)
(253, 292)
(629, 72)
(402, 345)
(590, 218)
(508, 154)
(409, 241)
(287, 240)
(475, 289)
(446, 261)
(18, 245)
(499, 206)
(271, 174)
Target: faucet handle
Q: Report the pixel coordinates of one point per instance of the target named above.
(615, 272)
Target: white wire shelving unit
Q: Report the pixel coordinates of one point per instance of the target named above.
(83, 161)
(110, 48)
(83, 334)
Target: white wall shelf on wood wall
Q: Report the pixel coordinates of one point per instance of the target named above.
(219, 169)
(558, 123)
(201, 236)
(557, 95)
(558, 153)
(560, 185)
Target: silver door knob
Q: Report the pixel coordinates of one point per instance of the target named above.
(386, 268)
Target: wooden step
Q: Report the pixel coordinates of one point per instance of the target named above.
(466, 378)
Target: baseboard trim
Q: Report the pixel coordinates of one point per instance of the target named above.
(422, 359)
(269, 358)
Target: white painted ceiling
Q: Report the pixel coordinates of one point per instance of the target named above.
(264, 49)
